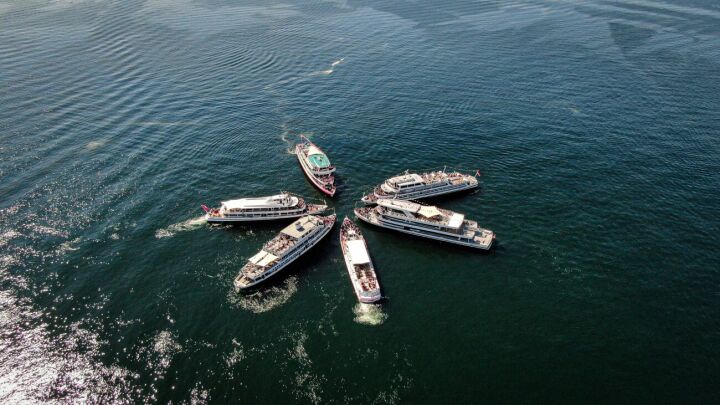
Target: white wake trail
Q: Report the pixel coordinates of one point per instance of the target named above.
(188, 225)
(328, 71)
(369, 314)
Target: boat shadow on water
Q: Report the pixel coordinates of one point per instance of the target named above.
(384, 299)
(255, 227)
(370, 314)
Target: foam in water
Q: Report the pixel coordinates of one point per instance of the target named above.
(188, 225)
(265, 299)
(328, 71)
(295, 79)
(199, 395)
(308, 385)
(158, 352)
(166, 123)
(165, 345)
(291, 146)
(369, 314)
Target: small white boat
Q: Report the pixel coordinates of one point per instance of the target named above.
(358, 263)
(316, 166)
(275, 207)
(427, 221)
(291, 243)
(413, 186)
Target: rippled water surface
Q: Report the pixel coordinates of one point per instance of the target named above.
(596, 125)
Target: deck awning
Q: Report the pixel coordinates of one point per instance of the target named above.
(429, 211)
(456, 220)
(405, 179)
(262, 258)
(319, 161)
(402, 205)
(358, 252)
(273, 201)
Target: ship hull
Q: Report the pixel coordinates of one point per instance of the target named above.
(215, 220)
(377, 296)
(365, 300)
(308, 173)
(287, 260)
(425, 193)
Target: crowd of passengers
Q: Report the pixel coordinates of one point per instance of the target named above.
(436, 219)
(279, 244)
(300, 204)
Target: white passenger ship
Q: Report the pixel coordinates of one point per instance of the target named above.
(316, 165)
(413, 186)
(358, 263)
(427, 221)
(294, 240)
(281, 206)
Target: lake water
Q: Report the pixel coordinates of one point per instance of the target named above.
(596, 125)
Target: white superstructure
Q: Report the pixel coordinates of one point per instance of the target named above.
(358, 263)
(427, 221)
(412, 186)
(294, 240)
(280, 206)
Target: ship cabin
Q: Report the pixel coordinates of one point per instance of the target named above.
(422, 216)
(358, 253)
(257, 264)
(318, 161)
(365, 282)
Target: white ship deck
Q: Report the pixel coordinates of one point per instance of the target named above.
(424, 213)
(270, 202)
(470, 236)
(360, 267)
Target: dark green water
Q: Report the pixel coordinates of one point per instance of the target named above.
(595, 123)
